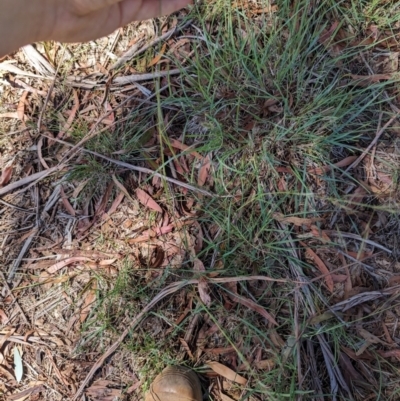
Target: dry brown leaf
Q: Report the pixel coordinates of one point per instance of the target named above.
(21, 106)
(320, 266)
(179, 145)
(342, 163)
(364, 80)
(327, 34)
(71, 117)
(186, 347)
(147, 200)
(6, 175)
(59, 265)
(66, 203)
(226, 372)
(115, 204)
(297, 221)
(107, 262)
(388, 354)
(265, 364)
(3, 317)
(204, 171)
(254, 306)
(318, 233)
(203, 285)
(87, 305)
(134, 387)
(356, 197)
(157, 58)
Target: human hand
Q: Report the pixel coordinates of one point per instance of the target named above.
(27, 21)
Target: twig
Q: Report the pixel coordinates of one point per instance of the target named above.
(374, 141)
(137, 168)
(128, 79)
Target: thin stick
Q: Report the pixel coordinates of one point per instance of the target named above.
(128, 79)
(374, 141)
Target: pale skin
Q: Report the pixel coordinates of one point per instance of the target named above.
(27, 21)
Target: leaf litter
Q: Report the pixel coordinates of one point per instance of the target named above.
(62, 290)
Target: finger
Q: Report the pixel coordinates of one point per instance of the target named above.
(149, 9)
(83, 7)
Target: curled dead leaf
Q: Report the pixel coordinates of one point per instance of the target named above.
(297, 221)
(203, 285)
(147, 200)
(226, 372)
(59, 265)
(320, 266)
(254, 306)
(204, 171)
(6, 175)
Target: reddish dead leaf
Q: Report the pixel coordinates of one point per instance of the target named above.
(265, 364)
(21, 106)
(285, 170)
(198, 246)
(59, 265)
(157, 58)
(364, 80)
(147, 200)
(203, 285)
(204, 171)
(339, 278)
(219, 351)
(71, 117)
(179, 145)
(356, 197)
(254, 306)
(111, 116)
(134, 387)
(3, 317)
(297, 221)
(342, 163)
(320, 266)
(115, 204)
(388, 354)
(321, 234)
(327, 34)
(6, 175)
(186, 347)
(66, 203)
(226, 372)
